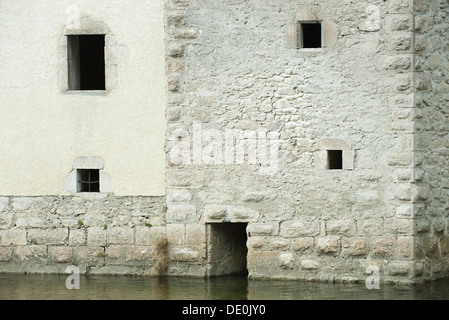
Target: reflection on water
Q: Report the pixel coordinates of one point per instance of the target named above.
(51, 287)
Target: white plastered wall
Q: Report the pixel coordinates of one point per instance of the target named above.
(44, 129)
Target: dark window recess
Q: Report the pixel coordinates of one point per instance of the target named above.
(85, 54)
(311, 35)
(88, 180)
(335, 159)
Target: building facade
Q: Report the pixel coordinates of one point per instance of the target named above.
(283, 139)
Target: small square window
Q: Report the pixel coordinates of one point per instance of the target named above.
(335, 159)
(88, 180)
(86, 62)
(311, 35)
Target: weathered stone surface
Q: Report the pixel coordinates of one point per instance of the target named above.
(399, 226)
(5, 254)
(382, 247)
(258, 229)
(303, 244)
(184, 255)
(195, 234)
(300, 228)
(176, 233)
(60, 254)
(367, 227)
(310, 265)
(47, 237)
(16, 237)
(341, 227)
(398, 268)
(354, 247)
(328, 245)
(77, 237)
(120, 235)
(286, 260)
(4, 201)
(96, 236)
(430, 246)
(31, 252)
(387, 203)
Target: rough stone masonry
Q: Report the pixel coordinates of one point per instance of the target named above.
(376, 90)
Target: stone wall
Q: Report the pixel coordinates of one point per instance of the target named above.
(111, 236)
(251, 120)
(431, 138)
(232, 66)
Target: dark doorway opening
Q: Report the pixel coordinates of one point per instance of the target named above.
(227, 250)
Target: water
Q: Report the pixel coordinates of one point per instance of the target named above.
(52, 287)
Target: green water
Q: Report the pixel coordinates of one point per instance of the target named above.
(52, 287)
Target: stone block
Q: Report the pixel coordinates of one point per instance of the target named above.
(354, 247)
(341, 227)
(369, 227)
(143, 235)
(300, 228)
(303, 244)
(398, 268)
(279, 244)
(90, 256)
(400, 6)
(240, 213)
(263, 229)
(328, 245)
(405, 247)
(382, 247)
(215, 212)
(48, 236)
(401, 43)
(399, 226)
(15, 237)
(430, 246)
(31, 252)
(444, 245)
(138, 254)
(422, 225)
(184, 255)
(181, 214)
(22, 203)
(5, 254)
(439, 225)
(27, 221)
(310, 264)
(120, 235)
(400, 22)
(176, 233)
(77, 237)
(195, 234)
(4, 201)
(96, 236)
(6, 219)
(186, 33)
(286, 260)
(60, 254)
(179, 195)
(175, 49)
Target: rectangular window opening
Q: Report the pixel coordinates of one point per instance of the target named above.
(86, 62)
(311, 35)
(335, 159)
(88, 180)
